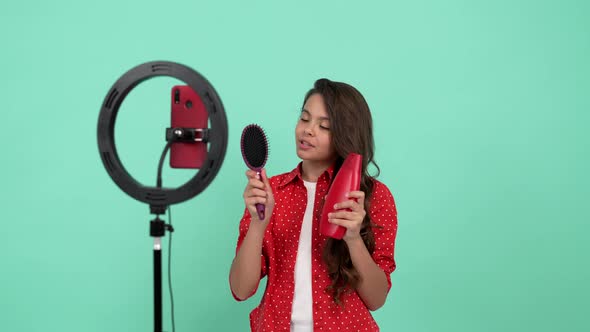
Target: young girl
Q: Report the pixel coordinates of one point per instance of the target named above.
(316, 283)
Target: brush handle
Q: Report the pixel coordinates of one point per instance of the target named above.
(260, 209)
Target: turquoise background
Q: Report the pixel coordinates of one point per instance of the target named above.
(481, 113)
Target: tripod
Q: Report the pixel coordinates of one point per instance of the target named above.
(158, 229)
(158, 198)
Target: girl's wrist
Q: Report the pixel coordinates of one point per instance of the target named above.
(257, 228)
(354, 241)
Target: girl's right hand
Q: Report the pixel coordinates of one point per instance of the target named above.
(259, 191)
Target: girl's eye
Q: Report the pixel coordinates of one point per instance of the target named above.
(304, 120)
(325, 128)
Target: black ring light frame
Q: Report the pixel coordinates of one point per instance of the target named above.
(160, 198)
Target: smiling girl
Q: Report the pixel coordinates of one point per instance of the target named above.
(315, 282)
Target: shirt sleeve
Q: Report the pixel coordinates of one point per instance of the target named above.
(244, 226)
(383, 214)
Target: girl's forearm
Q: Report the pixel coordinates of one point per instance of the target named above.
(244, 274)
(373, 285)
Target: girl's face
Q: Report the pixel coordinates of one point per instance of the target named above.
(312, 133)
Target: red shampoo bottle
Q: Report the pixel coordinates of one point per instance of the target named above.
(347, 179)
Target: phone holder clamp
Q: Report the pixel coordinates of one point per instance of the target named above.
(187, 135)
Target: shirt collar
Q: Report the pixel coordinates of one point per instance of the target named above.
(296, 174)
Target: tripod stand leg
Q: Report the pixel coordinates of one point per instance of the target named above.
(157, 284)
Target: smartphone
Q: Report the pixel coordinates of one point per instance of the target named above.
(187, 111)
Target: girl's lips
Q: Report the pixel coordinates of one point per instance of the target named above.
(304, 145)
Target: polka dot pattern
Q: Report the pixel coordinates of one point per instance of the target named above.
(279, 254)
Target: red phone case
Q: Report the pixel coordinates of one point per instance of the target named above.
(188, 111)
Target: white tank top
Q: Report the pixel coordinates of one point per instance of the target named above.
(302, 313)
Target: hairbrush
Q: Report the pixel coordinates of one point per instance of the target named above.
(254, 146)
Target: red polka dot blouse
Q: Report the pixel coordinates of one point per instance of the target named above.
(279, 252)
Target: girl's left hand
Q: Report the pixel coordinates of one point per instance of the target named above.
(351, 220)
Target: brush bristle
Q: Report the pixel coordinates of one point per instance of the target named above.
(254, 146)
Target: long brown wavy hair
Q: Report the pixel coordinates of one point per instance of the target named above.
(351, 127)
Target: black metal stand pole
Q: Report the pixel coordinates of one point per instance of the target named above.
(157, 230)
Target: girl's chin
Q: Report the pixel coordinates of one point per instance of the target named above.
(301, 154)
(309, 153)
